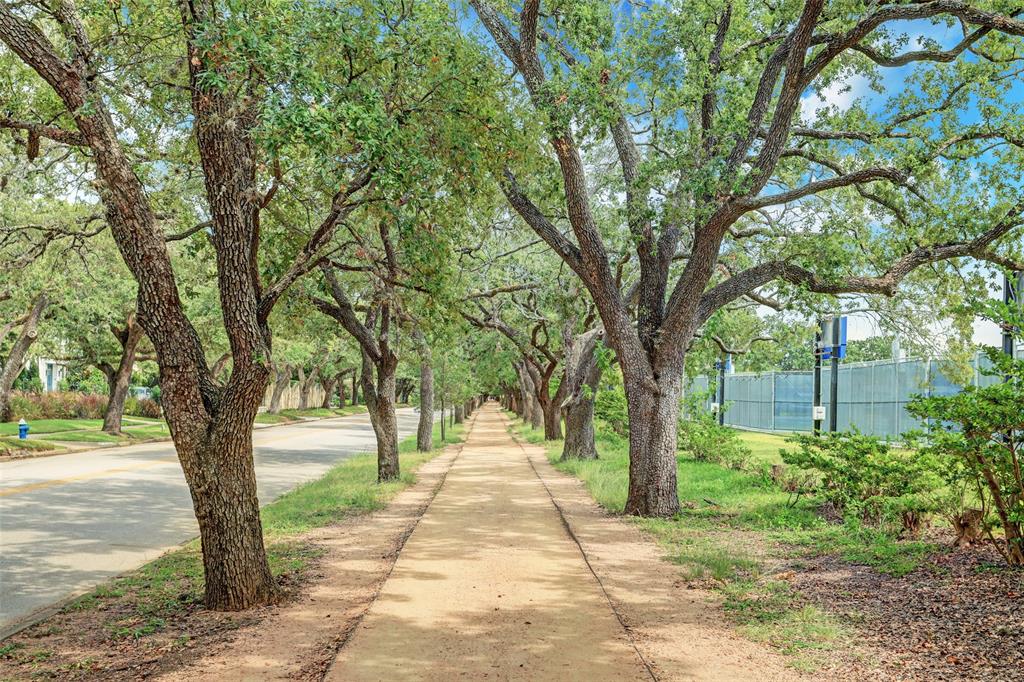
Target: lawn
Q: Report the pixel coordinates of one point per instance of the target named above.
(734, 526)
(12, 446)
(51, 426)
(764, 447)
(286, 416)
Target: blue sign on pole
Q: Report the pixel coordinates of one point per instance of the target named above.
(826, 338)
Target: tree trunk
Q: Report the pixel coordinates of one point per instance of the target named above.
(582, 374)
(200, 414)
(227, 509)
(342, 390)
(328, 384)
(380, 401)
(120, 380)
(653, 409)
(579, 431)
(425, 428)
(355, 388)
(536, 413)
(282, 380)
(458, 414)
(552, 414)
(525, 411)
(15, 360)
(306, 384)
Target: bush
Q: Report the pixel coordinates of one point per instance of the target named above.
(85, 379)
(864, 477)
(28, 381)
(708, 441)
(57, 405)
(980, 433)
(143, 407)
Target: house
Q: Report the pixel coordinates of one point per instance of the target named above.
(51, 373)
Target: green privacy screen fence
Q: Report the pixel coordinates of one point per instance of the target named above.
(873, 396)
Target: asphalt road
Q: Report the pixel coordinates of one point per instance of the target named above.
(70, 521)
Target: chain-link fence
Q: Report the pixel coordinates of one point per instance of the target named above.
(873, 396)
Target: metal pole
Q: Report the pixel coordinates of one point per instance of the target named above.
(1010, 295)
(833, 413)
(817, 377)
(721, 391)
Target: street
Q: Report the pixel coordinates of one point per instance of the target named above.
(68, 522)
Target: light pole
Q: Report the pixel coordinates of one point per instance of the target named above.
(815, 410)
(1011, 284)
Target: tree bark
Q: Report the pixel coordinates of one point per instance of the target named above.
(531, 405)
(355, 388)
(459, 418)
(581, 378)
(306, 384)
(342, 388)
(282, 380)
(425, 427)
(579, 431)
(380, 401)
(328, 384)
(120, 379)
(237, 574)
(653, 409)
(15, 360)
(552, 419)
(547, 408)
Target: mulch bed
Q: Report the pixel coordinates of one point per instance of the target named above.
(960, 616)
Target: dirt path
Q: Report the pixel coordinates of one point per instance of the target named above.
(489, 585)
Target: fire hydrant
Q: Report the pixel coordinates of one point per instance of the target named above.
(22, 429)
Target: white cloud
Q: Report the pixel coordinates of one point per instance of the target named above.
(841, 94)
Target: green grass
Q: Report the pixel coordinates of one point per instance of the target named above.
(286, 416)
(769, 611)
(50, 426)
(173, 584)
(85, 436)
(9, 446)
(140, 432)
(730, 523)
(320, 412)
(764, 447)
(267, 418)
(347, 489)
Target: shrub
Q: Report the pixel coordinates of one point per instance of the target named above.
(85, 379)
(865, 477)
(708, 441)
(57, 405)
(28, 381)
(144, 407)
(980, 432)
